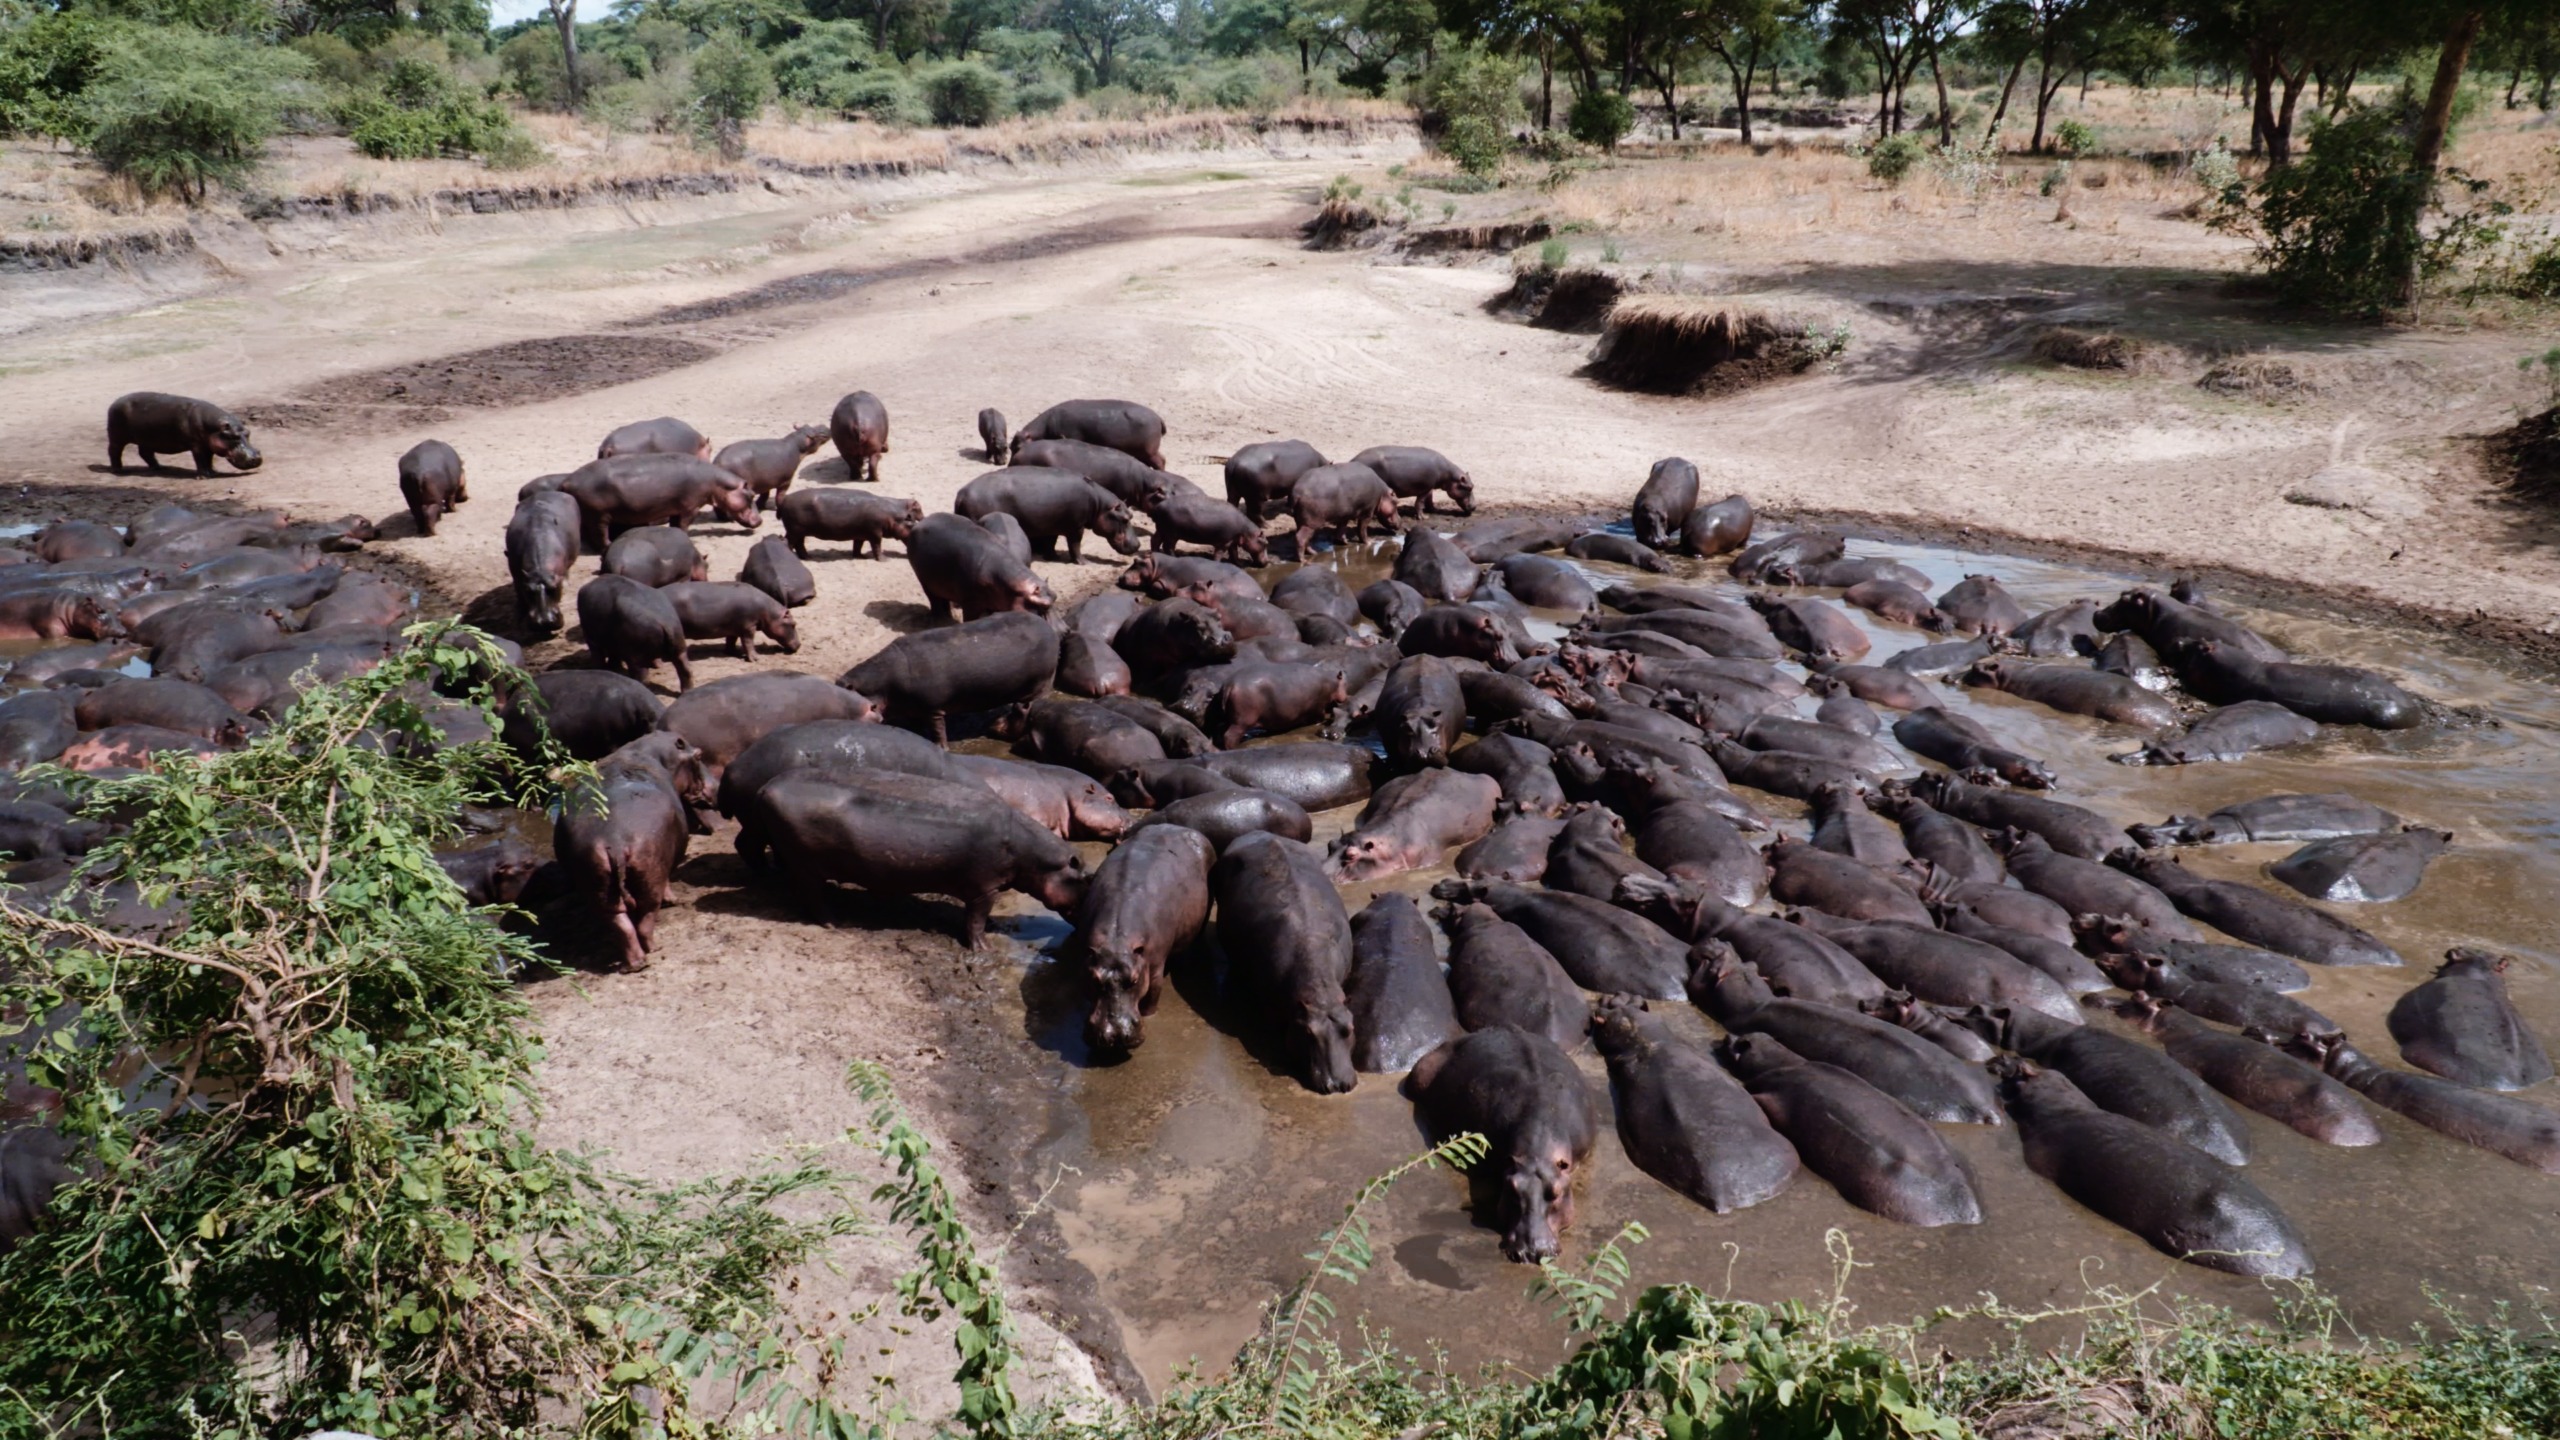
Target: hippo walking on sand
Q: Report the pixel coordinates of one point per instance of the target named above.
(158, 425)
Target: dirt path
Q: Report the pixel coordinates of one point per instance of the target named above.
(1179, 285)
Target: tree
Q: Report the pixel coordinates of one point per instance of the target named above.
(175, 109)
(564, 18)
(1745, 35)
(1098, 28)
(2060, 36)
(1550, 30)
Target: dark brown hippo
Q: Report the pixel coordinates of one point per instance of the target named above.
(1816, 627)
(542, 545)
(1437, 570)
(1872, 1149)
(1722, 526)
(1962, 745)
(1137, 483)
(722, 718)
(2361, 869)
(2257, 1074)
(2462, 1026)
(77, 540)
(1412, 821)
(959, 565)
(1416, 474)
(1272, 698)
(2227, 732)
(1684, 1119)
(1180, 738)
(2075, 690)
(866, 520)
(269, 682)
(905, 835)
(36, 726)
(1850, 572)
(1519, 1092)
(2116, 935)
(2066, 827)
(1083, 736)
(158, 425)
(1051, 505)
(2088, 887)
(1709, 634)
(1163, 574)
(1459, 632)
(2120, 1075)
(1148, 902)
(665, 435)
(2272, 817)
(1122, 425)
(1489, 542)
(656, 556)
(620, 840)
(827, 747)
(2065, 630)
(1663, 502)
(2258, 917)
(628, 491)
(205, 641)
(2183, 1201)
(1172, 636)
(1228, 532)
(1791, 957)
(1923, 1077)
(2164, 621)
(767, 467)
(1400, 1005)
(1611, 549)
(169, 704)
(1316, 590)
(995, 442)
(1260, 476)
(1391, 605)
(1979, 605)
(1546, 583)
(1605, 948)
(431, 482)
(859, 425)
(737, 613)
(1315, 774)
(1091, 667)
(493, 872)
(631, 627)
(2520, 1130)
(1333, 499)
(2330, 694)
(130, 747)
(1499, 976)
(772, 568)
(1229, 814)
(1007, 658)
(56, 615)
(1892, 600)
(1067, 804)
(1422, 712)
(1943, 968)
(1758, 564)
(1931, 662)
(2239, 1004)
(1288, 945)
(592, 713)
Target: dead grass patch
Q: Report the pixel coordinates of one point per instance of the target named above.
(1684, 345)
(1341, 224)
(2262, 377)
(2088, 349)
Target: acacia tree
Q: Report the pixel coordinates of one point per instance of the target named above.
(1745, 35)
(1098, 28)
(2060, 36)
(1899, 35)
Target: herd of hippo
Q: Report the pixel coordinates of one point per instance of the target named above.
(1587, 757)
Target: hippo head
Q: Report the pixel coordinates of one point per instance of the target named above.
(1321, 1037)
(538, 603)
(1990, 670)
(244, 456)
(1386, 513)
(1361, 857)
(1423, 737)
(1462, 493)
(1991, 1022)
(1495, 640)
(1031, 593)
(1115, 1024)
(91, 620)
(2135, 609)
(1202, 634)
(1060, 886)
(738, 503)
(1250, 549)
(1114, 528)
(1533, 1201)
(807, 438)
(1614, 1026)
(784, 632)
(1141, 574)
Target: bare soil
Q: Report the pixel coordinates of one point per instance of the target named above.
(522, 339)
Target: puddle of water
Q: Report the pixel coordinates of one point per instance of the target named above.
(1200, 1176)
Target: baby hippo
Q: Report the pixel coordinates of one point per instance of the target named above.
(158, 425)
(735, 612)
(431, 483)
(767, 467)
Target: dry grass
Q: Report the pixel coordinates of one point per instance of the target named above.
(2086, 350)
(1690, 344)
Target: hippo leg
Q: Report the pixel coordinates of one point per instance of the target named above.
(684, 671)
(973, 924)
(635, 952)
(941, 730)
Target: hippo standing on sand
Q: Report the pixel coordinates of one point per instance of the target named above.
(860, 428)
(1122, 425)
(431, 483)
(158, 425)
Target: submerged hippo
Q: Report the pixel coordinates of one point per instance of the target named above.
(1684, 1119)
(1288, 944)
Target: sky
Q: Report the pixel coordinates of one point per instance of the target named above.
(505, 12)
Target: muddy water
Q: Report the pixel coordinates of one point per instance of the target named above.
(1194, 1176)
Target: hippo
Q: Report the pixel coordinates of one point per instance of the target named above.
(1172, 637)
(1260, 476)
(267, 683)
(2129, 655)
(2362, 868)
(1683, 1118)
(1333, 499)
(1493, 698)
(592, 713)
(1179, 737)
(628, 491)
(1589, 857)
(1608, 549)
(1519, 1092)
(1008, 533)
(723, 718)
(2120, 1075)
(1391, 605)
(2520, 1130)
(866, 520)
(2068, 828)
(2183, 1201)
(1083, 736)
(1757, 562)
(1316, 590)
(157, 425)
(205, 641)
(431, 483)
(2087, 887)
(1943, 968)
(1400, 1004)
(656, 556)
(1121, 425)
(1791, 773)
(2257, 917)
(1316, 774)
(1438, 571)
(36, 726)
(1872, 1149)
(1412, 821)
(2462, 1026)
(1962, 745)
(1603, 947)
(1934, 1084)
(1459, 632)
(1514, 849)
(737, 613)
(1934, 1024)
(2185, 960)
(66, 540)
(983, 664)
(1066, 803)
(130, 747)
(1980, 605)
(1237, 699)
(1421, 713)
(1417, 474)
(37, 829)
(1228, 532)
(169, 704)
(1489, 542)
(1091, 667)
(1523, 768)
(1930, 662)
(1729, 635)
(666, 435)
(994, 436)
(1843, 825)
(1165, 575)
(1228, 814)
(1288, 945)
(2061, 632)
(1147, 902)
(1892, 600)
(2038, 948)
(826, 747)
(1050, 505)
(901, 834)
(1498, 976)
(494, 873)
(620, 840)
(1546, 583)
(1725, 525)
(2164, 622)
(1692, 842)
(57, 614)
(1134, 482)
(1849, 572)
(767, 467)
(2330, 694)
(960, 565)
(1787, 734)
(772, 568)
(632, 627)
(1663, 502)
(2271, 817)
(859, 425)
(2256, 1074)
(2075, 690)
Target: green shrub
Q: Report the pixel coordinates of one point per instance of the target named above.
(178, 110)
(334, 62)
(1553, 252)
(1239, 88)
(2072, 137)
(731, 86)
(884, 96)
(45, 64)
(817, 65)
(532, 70)
(2340, 225)
(1600, 117)
(1040, 97)
(1894, 156)
(2538, 277)
(964, 92)
(1472, 99)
